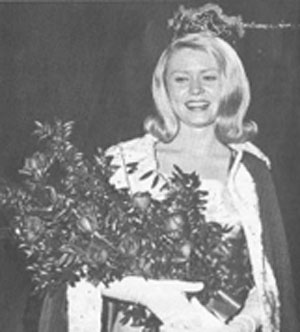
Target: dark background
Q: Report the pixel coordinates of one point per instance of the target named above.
(92, 63)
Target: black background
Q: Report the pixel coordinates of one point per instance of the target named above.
(92, 63)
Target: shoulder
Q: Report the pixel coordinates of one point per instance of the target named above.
(255, 162)
(259, 167)
(252, 155)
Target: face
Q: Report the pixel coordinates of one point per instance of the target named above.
(193, 82)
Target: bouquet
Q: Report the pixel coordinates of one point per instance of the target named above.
(72, 223)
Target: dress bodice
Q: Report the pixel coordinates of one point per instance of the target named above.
(219, 206)
(141, 153)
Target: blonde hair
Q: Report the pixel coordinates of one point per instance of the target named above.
(235, 98)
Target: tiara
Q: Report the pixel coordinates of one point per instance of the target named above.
(208, 19)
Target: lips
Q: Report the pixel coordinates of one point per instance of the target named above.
(200, 105)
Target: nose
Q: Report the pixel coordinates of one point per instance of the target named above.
(196, 87)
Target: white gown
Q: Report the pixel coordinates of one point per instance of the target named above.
(225, 204)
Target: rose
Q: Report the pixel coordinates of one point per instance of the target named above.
(184, 251)
(176, 226)
(34, 227)
(88, 221)
(96, 253)
(85, 225)
(141, 201)
(129, 245)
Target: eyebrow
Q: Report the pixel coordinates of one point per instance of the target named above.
(202, 71)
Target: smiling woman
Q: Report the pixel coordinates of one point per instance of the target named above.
(201, 94)
(220, 76)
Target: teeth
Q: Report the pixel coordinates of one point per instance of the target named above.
(198, 105)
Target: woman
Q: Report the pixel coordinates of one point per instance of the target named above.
(202, 95)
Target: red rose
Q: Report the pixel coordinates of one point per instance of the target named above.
(129, 245)
(34, 227)
(186, 249)
(141, 201)
(97, 254)
(88, 222)
(176, 226)
(184, 252)
(85, 225)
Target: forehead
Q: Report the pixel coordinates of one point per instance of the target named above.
(188, 59)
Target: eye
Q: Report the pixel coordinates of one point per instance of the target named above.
(181, 79)
(210, 77)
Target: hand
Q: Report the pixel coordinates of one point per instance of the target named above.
(165, 298)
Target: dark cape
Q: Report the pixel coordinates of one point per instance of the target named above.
(53, 316)
(274, 241)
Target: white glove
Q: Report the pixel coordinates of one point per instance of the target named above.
(165, 298)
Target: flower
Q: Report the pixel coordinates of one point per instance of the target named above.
(141, 200)
(85, 225)
(186, 249)
(183, 252)
(176, 225)
(87, 222)
(96, 254)
(129, 245)
(33, 227)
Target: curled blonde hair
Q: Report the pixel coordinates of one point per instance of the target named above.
(235, 96)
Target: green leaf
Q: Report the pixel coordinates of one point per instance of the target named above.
(146, 175)
(155, 181)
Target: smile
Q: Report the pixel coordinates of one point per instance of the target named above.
(197, 105)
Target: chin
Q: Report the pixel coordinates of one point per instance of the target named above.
(200, 120)
(200, 123)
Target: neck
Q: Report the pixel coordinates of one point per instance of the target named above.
(197, 140)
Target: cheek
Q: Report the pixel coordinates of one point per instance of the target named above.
(215, 91)
(220, 88)
(177, 93)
